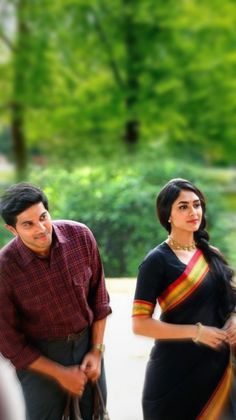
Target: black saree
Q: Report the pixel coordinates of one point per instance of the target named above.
(184, 380)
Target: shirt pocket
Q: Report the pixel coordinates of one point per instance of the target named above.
(82, 279)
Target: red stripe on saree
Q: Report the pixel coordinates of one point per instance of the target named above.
(185, 284)
(216, 404)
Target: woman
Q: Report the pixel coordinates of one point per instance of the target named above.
(189, 373)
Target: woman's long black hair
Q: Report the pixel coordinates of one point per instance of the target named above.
(218, 264)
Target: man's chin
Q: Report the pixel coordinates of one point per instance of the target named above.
(44, 243)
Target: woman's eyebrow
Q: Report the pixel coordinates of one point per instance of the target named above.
(187, 202)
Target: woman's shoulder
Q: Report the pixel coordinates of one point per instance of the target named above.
(156, 255)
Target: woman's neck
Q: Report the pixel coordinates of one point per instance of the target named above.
(182, 237)
(181, 242)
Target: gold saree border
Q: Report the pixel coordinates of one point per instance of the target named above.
(185, 284)
(214, 407)
(142, 308)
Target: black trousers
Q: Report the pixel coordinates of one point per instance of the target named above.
(44, 398)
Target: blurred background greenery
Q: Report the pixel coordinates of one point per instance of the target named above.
(103, 101)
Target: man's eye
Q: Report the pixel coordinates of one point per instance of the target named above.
(27, 225)
(44, 217)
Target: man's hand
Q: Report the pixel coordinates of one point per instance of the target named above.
(73, 379)
(91, 365)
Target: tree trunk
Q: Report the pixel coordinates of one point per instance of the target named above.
(18, 140)
(132, 124)
(18, 100)
(131, 135)
(131, 132)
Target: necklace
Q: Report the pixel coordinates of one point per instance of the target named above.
(176, 245)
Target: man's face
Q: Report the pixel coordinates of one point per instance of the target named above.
(34, 227)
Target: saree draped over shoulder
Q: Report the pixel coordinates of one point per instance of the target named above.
(184, 380)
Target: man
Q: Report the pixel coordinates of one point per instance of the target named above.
(53, 304)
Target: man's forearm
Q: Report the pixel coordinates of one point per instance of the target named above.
(98, 329)
(91, 364)
(71, 378)
(47, 367)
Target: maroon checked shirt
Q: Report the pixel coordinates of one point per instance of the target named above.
(49, 298)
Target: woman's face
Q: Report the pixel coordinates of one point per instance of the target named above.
(186, 212)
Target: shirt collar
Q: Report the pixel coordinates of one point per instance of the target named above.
(27, 255)
(58, 236)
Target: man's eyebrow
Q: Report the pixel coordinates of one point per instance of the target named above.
(31, 221)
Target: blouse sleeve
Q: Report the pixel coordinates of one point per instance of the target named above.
(149, 284)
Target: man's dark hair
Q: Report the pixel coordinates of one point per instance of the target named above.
(18, 198)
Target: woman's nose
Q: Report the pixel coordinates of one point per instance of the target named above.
(192, 210)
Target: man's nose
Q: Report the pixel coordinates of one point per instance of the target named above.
(41, 227)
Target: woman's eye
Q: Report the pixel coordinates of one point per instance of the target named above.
(183, 207)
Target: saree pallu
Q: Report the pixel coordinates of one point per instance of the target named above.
(185, 380)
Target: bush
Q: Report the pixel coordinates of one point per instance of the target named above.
(118, 204)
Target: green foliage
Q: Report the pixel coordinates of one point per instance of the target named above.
(112, 205)
(118, 203)
(82, 69)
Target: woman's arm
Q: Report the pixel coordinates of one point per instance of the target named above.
(149, 327)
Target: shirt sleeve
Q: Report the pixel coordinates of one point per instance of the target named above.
(98, 298)
(13, 343)
(149, 285)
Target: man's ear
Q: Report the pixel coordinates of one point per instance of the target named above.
(11, 229)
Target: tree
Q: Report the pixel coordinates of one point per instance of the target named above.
(103, 77)
(25, 41)
(15, 104)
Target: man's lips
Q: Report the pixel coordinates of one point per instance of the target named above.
(42, 236)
